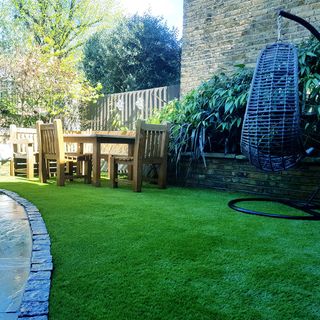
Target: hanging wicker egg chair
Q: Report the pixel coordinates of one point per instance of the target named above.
(271, 136)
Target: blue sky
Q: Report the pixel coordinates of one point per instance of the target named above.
(171, 10)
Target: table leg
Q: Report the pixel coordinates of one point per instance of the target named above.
(80, 169)
(130, 154)
(96, 168)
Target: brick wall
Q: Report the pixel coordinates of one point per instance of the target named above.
(234, 173)
(217, 34)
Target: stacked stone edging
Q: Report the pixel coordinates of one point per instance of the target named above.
(35, 300)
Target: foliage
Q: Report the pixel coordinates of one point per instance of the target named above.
(309, 87)
(12, 33)
(140, 52)
(41, 86)
(39, 62)
(209, 118)
(62, 26)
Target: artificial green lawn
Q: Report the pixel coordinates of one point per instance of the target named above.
(173, 254)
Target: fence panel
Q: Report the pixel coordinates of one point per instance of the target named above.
(123, 109)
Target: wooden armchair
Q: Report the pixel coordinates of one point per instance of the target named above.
(51, 147)
(25, 151)
(151, 147)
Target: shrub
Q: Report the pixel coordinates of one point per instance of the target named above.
(209, 118)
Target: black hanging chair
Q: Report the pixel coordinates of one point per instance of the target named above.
(271, 129)
(271, 137)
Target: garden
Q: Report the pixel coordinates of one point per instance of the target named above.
(178, 252)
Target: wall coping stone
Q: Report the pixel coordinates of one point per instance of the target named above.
(35, 299)
(218, 155)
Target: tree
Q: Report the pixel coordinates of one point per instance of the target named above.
(12, 34)
(62, 26)
(140, 52)
(37, 86)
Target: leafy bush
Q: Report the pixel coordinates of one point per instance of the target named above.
(209, 118)
(309, 88)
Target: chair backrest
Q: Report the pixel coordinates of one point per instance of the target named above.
(151, 142)
(50, 140)
(19, 136)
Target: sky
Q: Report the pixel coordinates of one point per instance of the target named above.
(171, 10)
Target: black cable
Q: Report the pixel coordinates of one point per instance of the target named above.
(305, 207)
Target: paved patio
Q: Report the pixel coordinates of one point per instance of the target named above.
(15, 255)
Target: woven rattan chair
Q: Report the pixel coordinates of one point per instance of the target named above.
(271, 137)
(271, 130)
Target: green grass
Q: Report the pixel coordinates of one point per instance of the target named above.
(173, 254)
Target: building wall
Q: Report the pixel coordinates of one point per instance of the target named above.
(218, 34)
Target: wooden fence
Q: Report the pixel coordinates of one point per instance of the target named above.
(121, 110)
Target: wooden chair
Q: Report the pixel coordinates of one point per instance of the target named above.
(25, 151)
(151, 147)
(51, 147)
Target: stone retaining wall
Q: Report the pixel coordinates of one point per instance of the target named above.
(220, 34)
(235, 173)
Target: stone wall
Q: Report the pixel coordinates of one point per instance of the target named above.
(234, 173)
(218, 34)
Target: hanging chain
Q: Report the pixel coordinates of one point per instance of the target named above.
(279, 24)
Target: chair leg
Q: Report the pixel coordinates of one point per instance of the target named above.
(162, 178)
(42, 170)
(113, 172)
(47, 168)
(70, 170)
(12, 167)
(137, 176)
(109, 166)
(130, 172)
(30, 163)
(30, 168)
(60, 174)
(87, 171)
(80, 170)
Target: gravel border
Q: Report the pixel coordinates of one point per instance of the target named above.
(35, 300)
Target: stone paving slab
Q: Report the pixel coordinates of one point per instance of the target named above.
(15, 254)
(25, 260)
(15, 238)
(13, 276)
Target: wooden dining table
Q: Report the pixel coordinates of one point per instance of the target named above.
(96, 139)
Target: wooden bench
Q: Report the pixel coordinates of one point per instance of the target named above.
(25, 151)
